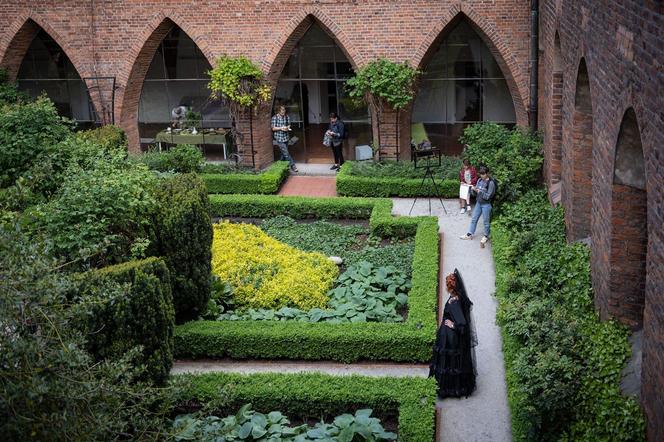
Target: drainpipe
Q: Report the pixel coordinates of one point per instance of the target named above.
(534, 65)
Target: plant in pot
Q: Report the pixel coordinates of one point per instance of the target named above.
(238, 82)
(384, 84)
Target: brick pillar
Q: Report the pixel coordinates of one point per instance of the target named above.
(253, 127)
(577, 182)
(629, 245)
(388, 134)
(553, 152)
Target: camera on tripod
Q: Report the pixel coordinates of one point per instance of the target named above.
(427, 157)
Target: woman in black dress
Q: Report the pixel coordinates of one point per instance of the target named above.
(453, 363)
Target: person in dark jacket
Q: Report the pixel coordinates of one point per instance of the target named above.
(335, 136)
(453, 362)
(485, 190)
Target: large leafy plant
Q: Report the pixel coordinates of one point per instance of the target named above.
(249, 424)
(239, 82)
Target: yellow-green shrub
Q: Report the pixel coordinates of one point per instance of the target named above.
(266, 273)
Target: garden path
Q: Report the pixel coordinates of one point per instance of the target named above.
(485, 415)
(314, 186)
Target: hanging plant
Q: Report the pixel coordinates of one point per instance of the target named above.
(384, 82)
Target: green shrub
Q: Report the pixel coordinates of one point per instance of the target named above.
(514, 157)
(29, 133)
(139, 314)
(9, 93)
(266, 182)
(110, 138)
(349, 184)
(409, 341)
(183, 158)
(315, 395)
(448, 170)
(563, 364)
(183, 237)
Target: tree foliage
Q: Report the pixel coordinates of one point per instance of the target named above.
(238, 81)
(384, 81)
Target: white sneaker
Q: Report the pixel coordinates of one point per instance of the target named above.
(468, 211)
(483, 241)
(462, 211)
(466, 236)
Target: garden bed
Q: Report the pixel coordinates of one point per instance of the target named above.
(230, 181)
(410, 340)
(402, 181)
(308, 397)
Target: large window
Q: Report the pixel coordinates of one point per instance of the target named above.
(47, 69)
(178, 76)
(461, 85)
(311, 86)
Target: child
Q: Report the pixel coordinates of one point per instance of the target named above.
(467, 178)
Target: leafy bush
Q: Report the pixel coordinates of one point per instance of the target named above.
(563, 364)
(239, 81)
(310, 396)
(9, 93)
(364, 294)
(448, 170)
(183, 158)
(183, 237)
(126, 306)
(51, 388)
(248, 424)
(228, 169)
(514, 157)
(100, 215)
(264, 272)
(110, 138)
(29, 133)
(266, 182)
(385, 81)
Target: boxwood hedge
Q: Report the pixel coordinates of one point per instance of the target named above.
(386, 186)
(266, 182)
(408, 341)
(314, 395)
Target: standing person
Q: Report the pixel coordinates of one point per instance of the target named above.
(453, 363)
(281, 133)
(467, 179)
(335, 136)
(485, 189)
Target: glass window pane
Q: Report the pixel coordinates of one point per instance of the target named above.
(156, 69)
(490, 68)
(288, 94)
(79, 100)
(464, 105)
(344, 68)
(464, 59)
(154, 106)
(498, 105)
(316, 36)
(437, 67)
(317, 62)
(430, 103)
(292, 68)
(349, 109)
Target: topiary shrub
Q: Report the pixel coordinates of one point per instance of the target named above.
(110, 138)
(183, 237)
(129, 305)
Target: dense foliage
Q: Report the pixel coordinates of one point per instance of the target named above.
(237, 80)
(266, 273)
(9, 93)
(183, 237)
(563, 364)
(226, 181)
(109, 138)
(51, 388)
(353, 243)
(513, 156)
(126, 306)
(384, 81)
(448, 169)
(248, 424)
(183, 158)
(310, 396)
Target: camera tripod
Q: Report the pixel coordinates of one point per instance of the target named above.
(428, 174)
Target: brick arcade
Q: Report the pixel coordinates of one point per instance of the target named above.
(601, 106)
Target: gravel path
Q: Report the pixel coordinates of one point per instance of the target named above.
(485, 415)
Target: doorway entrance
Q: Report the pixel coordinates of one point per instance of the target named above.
(311, 86)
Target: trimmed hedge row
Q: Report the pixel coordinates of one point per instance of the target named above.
(409, 341)
(351, 185)
(266, 182)
(315, 395)
(141, 314)
(563, 364)
(183, 237)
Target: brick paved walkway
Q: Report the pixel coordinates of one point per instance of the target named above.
(314, 186)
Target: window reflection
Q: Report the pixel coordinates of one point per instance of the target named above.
(461, 85)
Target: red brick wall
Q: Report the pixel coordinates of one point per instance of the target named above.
(622, 43)
(124, 33)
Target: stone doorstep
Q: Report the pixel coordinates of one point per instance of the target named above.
(372, 369)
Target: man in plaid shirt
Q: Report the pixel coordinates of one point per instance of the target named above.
(280, 131)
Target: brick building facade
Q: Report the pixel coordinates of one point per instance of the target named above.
(601, 102)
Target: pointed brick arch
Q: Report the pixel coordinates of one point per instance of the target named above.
(492, 38)
(131, 79)
(19, 37)
(277, 56)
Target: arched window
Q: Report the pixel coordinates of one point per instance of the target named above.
(178, 76)
(311, 86)
(462, 84)
(47, 69)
